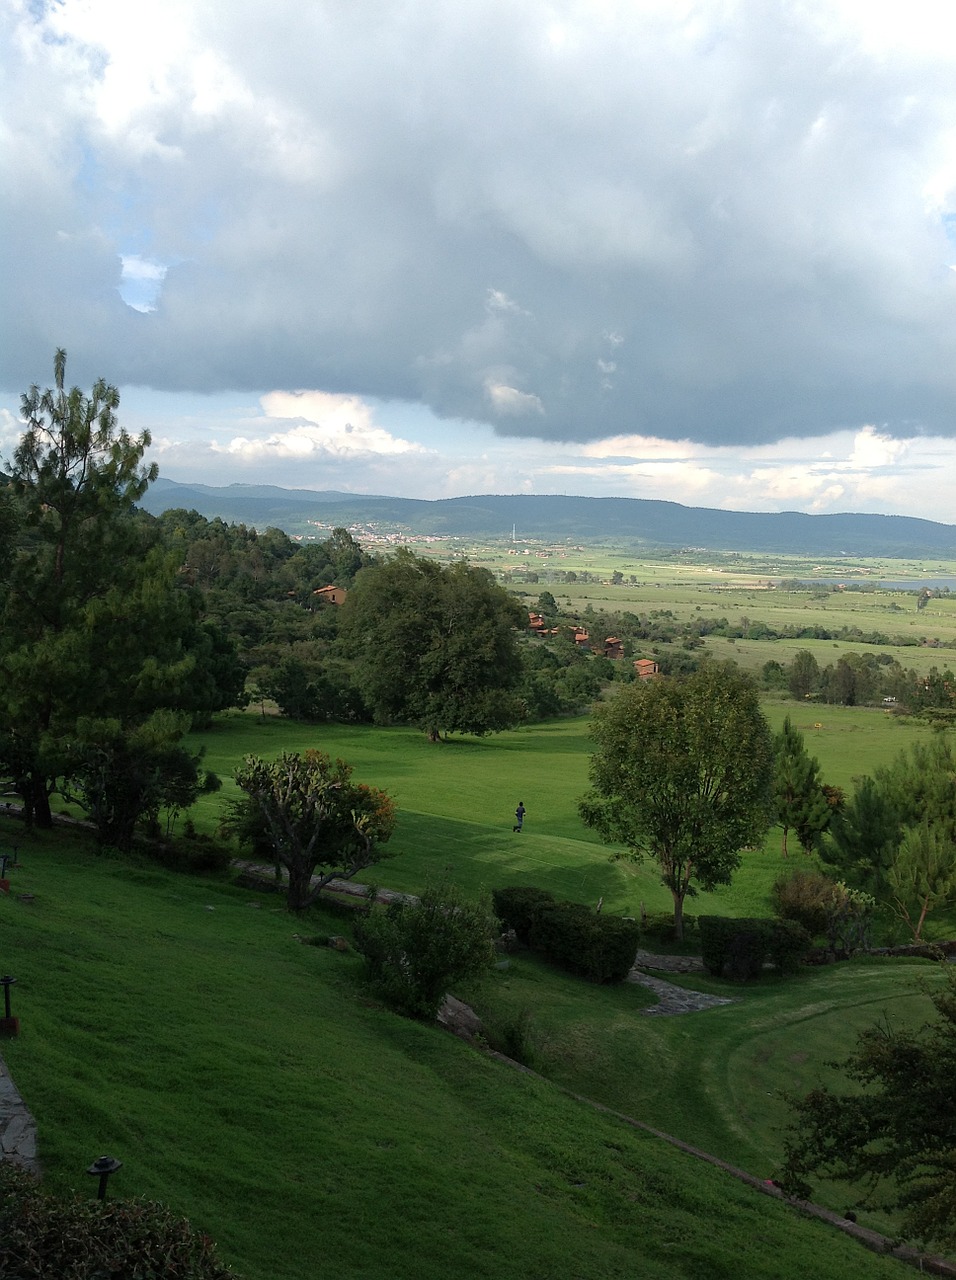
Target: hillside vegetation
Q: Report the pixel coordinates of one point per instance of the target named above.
(243, 1079)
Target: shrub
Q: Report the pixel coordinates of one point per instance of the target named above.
(789, 943)
(822, 906)
(415, 951)
(849, 920)
(72, 1238)
(192, 852)
(515, 907)
(739, 949)
(658, 926)
(804, 895)
(601, 948)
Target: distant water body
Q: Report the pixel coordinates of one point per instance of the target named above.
(887, 584)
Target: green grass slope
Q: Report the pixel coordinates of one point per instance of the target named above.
(245, 1080)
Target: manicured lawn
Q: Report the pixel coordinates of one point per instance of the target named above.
(456, 802)
(716, 1078)
(247, 1081)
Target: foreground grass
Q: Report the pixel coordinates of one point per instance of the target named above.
(716, 1079)
(243, 1079)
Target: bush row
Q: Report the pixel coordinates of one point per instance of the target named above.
(739, 949)
(598, 947)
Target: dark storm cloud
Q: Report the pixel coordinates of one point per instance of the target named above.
(721, 222)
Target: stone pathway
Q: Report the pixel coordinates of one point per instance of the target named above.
(672, 999)
(18, 1131)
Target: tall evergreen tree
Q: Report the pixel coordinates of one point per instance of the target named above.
(799, 800)
(681, 771)
(96, 623)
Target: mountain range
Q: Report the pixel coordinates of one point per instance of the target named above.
(555, 517)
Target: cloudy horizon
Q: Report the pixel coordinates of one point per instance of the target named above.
(701, 251)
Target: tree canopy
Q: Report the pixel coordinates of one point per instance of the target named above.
(799, 800)
(97, 624)
(892, 1131)
(319, 824)
(681, 772)
(896, 836)
(434, 645)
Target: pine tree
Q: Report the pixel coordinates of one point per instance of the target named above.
(800, 802)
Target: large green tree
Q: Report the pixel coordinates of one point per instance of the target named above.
(435, 645)
(318, 823)
(96, 621)
(681, 773)
(75, 478)
(892, 1131)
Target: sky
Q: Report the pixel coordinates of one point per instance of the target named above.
(699, 251)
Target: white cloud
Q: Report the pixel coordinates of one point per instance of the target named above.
(873, 449)
(324, 425)
(498, 300)
(141, 281)
(510, 401)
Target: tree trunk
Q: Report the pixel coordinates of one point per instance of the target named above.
(300, 878)
(38, 802)
(678, 915)
(434, 735)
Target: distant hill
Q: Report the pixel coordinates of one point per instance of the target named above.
(657, 524)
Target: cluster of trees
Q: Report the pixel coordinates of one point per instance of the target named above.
(686, 771)
(107, 656)
(854, 679)
(414, 641)
(867, 679)
(893, 838)
(259, 589)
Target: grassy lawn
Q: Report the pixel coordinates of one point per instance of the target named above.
(456, 800)
(246, 1080)
(716, 1078)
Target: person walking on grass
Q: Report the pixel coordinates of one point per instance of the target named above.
(519, 816)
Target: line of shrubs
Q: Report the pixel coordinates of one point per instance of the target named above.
(598, 947)
(739, 949)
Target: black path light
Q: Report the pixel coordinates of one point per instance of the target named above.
(102, 1168)
(5, 858)
(8, 1026)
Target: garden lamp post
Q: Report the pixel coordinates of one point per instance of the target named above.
(4, 859)
(9, 1026)
(102, 1168)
